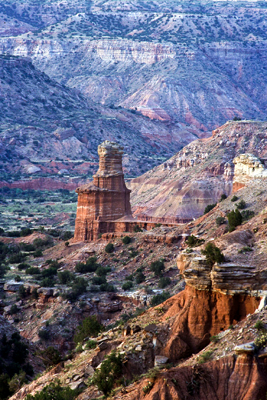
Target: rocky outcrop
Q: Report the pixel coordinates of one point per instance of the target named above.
(106, 198)
(198, 315)
(181, 188)
(224, 379)
(227, 278)
(247, 167)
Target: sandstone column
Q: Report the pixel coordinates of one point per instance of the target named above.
(106, 198)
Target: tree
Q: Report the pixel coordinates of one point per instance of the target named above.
(109, 248)
(109, 373)
(234, 219)
(89, 327)
(213, 254)
(157, 267)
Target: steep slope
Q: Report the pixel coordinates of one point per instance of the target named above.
(194, 63)
(214, 337)
(42, 120)
(198, 175)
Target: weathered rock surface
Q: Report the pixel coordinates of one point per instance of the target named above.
(200, 314)
(198, 175)
(247, 167)
(47, 128)
(224, 379)
(106, 198)
(170, 61)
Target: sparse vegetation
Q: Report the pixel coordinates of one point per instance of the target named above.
(157, 267)
(127, 285)
(213, 254)
(109, 248)
(89, 327)
(234, 198)
(163, 282)
(241, 205)
(223, 197)
(204, 357)
(54, 391)
(234, 219)
(126, 240)
(193, 241)
(209, 207)
(159, 298)
(108, 374)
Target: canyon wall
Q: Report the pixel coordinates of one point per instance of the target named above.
(198, 175)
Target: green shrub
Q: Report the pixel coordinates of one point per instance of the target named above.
(213, 254)
(234, 198)
(204, 357)
(163, 282)
(33, 271)
(91, 344)
(47, 282)
(129, 277)
(261, 340)
(44, 334)
(140, 277)
(22, 292)
(78, 287)
(137, 229)
(17, 278)
(17, 258)
(38, 253)
(99, 280)
(66, 235)
(109, 373)
(234, 219)
(54, 391)
(159, 298)
(50, 356)
(245, 249)
(89, 327)
(65, 277)
(127, 285)
(193, 241)
(126, 240)
(157, 267)
(23, 266)
(90, 266)
(220, 221)
(223, 197)
(109, 248)
(27, 246)
(241, 205)
(247, 214)
(214, 338)
(102, 271)
(259, 325)
(14, 309)
(209, 207)
(5, 391)
(107, 287)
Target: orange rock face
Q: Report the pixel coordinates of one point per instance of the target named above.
(200, 314)
(106, 198)
(225, 379)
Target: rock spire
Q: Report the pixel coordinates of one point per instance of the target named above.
(106, 198)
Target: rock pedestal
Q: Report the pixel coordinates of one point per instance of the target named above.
(106, 199)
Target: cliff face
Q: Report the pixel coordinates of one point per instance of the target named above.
(198, 175)
(197, 65)
(51, 131)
